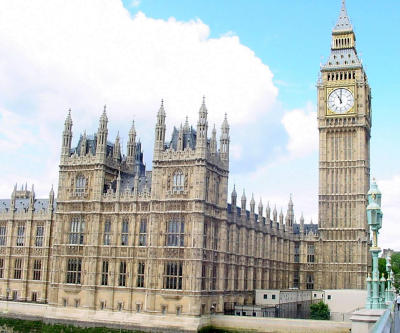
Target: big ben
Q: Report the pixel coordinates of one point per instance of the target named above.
(344, 123)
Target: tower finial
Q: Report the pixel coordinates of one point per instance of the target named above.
(343, 22)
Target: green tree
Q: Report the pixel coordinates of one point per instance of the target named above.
(319, 311)
(396, 269)
(382, 267)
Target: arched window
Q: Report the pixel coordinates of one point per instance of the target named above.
(178, 181)
(80, 185)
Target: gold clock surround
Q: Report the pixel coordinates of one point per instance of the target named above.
(351, 111)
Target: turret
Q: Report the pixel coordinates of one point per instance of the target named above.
(281, 226)
(118, 189)
(213, 142)
(252, 204)
(268, 213)
(83, 144)
(243, 203)
(51, 199)
(274, 217)
(290, 214)
(130, 147)
(102, 132)
(224, 141)
(160, 131)
(180, 139)
(302, 223)
(67, 136)
(202, 127)
(13, 197)
(233, 199)
(260, 211)
(32, 199)
(117, 150)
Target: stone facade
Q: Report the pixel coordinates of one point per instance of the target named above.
(166, 241)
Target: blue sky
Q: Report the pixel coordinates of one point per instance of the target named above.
(256, 60)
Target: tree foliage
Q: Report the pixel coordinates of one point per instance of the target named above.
(396, 269)
(319, 311)
(382, 267)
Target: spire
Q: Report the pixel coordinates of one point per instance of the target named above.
(224, 140)
(260, 210)
(32, 198)
(213, 142)
(252, 204)
(83, 144)
(243, 206)
(102, 132)
(186, 127)
(131, 147)
(268, 212)
(202, 127)
(233, 198)
(343, 23)
(275, 215)
(302, 219)
(180, 139)
(67, 136)
(117, 149)
(160, 131)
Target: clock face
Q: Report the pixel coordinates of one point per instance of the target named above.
(340, 100)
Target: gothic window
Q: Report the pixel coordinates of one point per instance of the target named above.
(76, 231)
(143, 232)
(236, 278)
(296, 252)
(216, 190)
(245, 278)
(175, 233)
(20, 235)
(207, 186)
(107, 233)
(140, 275)
(226, 277)
(310, 253)
(37, 269)
(80, 185)
(205, 231)
(178, 181)
(3, 235)
(173, 275)
(104, 274)
(74, 269)
(1, 268)
(203, 276)
(17, 268)
(310, 281)
(216, 235)
(214, 277)
(296, 279)
(124, 233)
(34, 296)
(39, 236)
(122, 274)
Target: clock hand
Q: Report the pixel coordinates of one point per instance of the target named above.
(340, 97)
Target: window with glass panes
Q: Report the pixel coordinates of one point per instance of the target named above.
(296, 252)
(173, 275)
(74, 270)
(1, 268)
(124, 232)
(80, 185)
(214, 277)
(39, 236)
(175, 233)
(310, 253)
(178, 181)
(122, 274)
(143, 232)
(107, 233)
(37, 269)
(104, 274)
(18, 268)
(76, 231)
(3, 235)
(140, 274)
(310, 281)
(20, 235)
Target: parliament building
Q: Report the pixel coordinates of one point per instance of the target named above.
(171, 240)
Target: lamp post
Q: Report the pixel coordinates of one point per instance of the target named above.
(374, 216)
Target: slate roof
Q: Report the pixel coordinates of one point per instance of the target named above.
(23, 205)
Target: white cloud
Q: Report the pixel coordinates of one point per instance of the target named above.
(135, 3)
(84, 54)
(301, 126)
(390, 232)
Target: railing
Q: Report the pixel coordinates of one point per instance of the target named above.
(387, 322)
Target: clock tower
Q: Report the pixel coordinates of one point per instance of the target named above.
(344, 123)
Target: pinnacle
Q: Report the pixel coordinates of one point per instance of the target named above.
(343, 23)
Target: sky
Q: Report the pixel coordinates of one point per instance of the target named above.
(257, 61)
